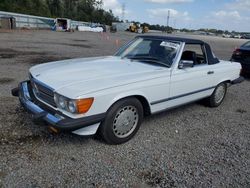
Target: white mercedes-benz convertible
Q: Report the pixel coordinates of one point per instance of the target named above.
(112, 94)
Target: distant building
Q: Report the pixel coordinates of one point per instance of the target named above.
(121, 26)
(10, 20)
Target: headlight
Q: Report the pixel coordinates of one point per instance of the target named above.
(74, 106)
(62, 102)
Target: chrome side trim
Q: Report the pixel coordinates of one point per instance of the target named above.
(179, 96)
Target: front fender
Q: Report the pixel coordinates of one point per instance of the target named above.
(129, 94)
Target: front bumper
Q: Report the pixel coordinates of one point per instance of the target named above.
(55, 118)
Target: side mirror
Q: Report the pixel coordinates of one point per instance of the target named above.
(185, 64)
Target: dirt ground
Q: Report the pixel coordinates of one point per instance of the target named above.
(191, 146)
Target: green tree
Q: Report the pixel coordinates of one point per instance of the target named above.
(82, 10)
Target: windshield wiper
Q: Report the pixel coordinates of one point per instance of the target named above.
(149, 59)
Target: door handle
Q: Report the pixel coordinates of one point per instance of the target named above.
(210, 72)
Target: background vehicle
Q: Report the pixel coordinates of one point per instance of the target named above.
(226, 35)
(246, 36)
(62, 24)
(242, 55)
(238, 36)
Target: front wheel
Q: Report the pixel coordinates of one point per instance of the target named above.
(218, 95)
(122, 121)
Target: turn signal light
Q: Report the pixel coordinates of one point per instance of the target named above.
(83, 105)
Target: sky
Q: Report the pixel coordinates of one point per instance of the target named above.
(191, 14)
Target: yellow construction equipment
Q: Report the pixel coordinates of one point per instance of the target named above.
(137, 28)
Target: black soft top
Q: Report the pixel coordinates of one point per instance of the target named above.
(177, 39)
(210, 56)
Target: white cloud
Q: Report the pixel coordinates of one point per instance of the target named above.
(115, 6)
(239, 5)
(110, 4)
(233, 15)
(226, 20)
(162, 13)
(177, 19)
(227, 15)
(169, 1)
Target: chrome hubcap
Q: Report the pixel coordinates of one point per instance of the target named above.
(219, 94)
(125, 121)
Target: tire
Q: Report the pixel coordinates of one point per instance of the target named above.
(122, 121)
(218, 95)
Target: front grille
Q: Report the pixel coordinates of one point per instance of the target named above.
(43, 92)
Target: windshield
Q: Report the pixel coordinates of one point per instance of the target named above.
(153, 51)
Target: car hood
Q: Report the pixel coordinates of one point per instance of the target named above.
(76, 77)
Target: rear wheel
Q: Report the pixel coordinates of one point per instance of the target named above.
(122, 121)
(218, 95)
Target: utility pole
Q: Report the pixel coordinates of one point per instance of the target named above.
(168, 18)
(167, 30)
(123, 12)
(174, 25)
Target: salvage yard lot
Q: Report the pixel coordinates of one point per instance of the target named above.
(189, 146)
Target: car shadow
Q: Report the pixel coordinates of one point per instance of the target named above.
(68, 137)
(40, 133)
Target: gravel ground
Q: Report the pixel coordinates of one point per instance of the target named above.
(191, 146)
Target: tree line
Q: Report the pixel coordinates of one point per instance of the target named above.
(81, 10)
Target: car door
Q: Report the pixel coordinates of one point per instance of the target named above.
(190, 83)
